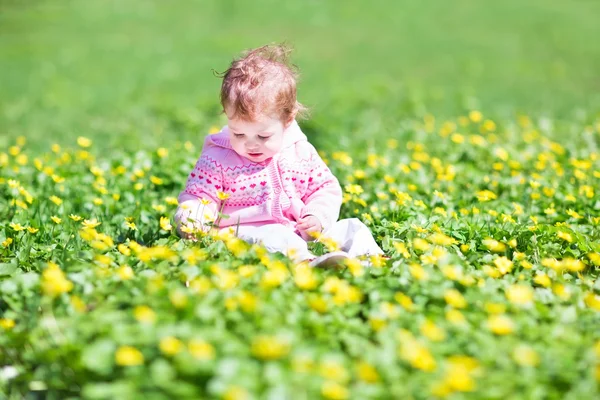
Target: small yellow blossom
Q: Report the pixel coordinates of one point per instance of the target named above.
(454, 298)
(201, 350)
(144, 314)
(519, 294)
(267, 347)
(128, 356)
(84, 142)
(500, 324)
(7, 323)
(170, 345)
(165, 224)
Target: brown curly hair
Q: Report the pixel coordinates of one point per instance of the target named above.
(262, 82)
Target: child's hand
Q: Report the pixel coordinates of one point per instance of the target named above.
(308, 225)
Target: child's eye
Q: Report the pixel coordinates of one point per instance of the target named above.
(239, 135)
(263, 137)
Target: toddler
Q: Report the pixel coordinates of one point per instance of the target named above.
(262, 172)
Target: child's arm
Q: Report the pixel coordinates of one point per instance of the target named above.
(323, 197)
(198, 203)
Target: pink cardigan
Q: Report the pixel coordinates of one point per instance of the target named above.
(290, 185)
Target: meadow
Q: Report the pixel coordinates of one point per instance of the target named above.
(465, 134)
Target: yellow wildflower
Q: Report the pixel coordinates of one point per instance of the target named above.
(201, 350)
(454, 298)
(170, 345)
(519, 294)
(267, 347)
(128, 356)
(500, 324)
(144, 314)
(54, 281)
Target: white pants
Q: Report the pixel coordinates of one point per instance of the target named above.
(351, 235)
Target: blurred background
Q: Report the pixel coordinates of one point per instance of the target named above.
(137, 73)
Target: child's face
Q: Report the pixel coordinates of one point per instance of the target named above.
(257, 140)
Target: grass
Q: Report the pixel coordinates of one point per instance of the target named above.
(465, 134)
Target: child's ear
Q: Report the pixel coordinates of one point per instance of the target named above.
(291, 119)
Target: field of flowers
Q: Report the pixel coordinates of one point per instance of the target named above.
(466, 134)
(491, 291)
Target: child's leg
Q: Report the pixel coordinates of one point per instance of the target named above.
(354, 237)
(277, 238)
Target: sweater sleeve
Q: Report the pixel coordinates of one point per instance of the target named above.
(198, 202)
(323, 197)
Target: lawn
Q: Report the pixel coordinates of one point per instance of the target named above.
(465, 134)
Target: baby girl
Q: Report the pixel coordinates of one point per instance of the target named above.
(261, 171)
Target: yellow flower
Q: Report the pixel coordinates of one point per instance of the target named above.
(54, 281)
(304, 277)
(405, 301)
(494, 308)
(165, 224)
(75, 217)
(503, 264)
(84, 142)
(334, 391)
(178, 298)
(201, 350)
(475, 116)
(125, 272)
(525, 356)
(56, 200)
(7, 242)
(222, 195)
(17, 227)
(455, 317)
(162, 152)
(7, 323)
(144, 314)
(519, 294)
(235, 392)
(494, 245)
(317, 303)
(542, 280)
(592, 301)
(420, 244)
(128, 356)
(500, 324)
(55, 219)
(441, 239)
(454, 298)
(171, 200)
(92, 223)
(32, 230)
(485, 195)
(78, 304)
(156, 180)
(565, 236)
(432, 331)
(366, 372)
(266, 347)
(170, 345)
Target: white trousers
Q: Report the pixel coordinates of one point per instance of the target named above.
(351, 235)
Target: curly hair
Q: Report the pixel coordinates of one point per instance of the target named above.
(261, 82)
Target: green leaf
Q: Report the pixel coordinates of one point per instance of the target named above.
(98, 357)
(7, 269)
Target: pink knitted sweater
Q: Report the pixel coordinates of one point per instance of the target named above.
(292, 184)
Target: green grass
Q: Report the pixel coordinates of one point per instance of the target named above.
(490, 217)
(128, 70)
